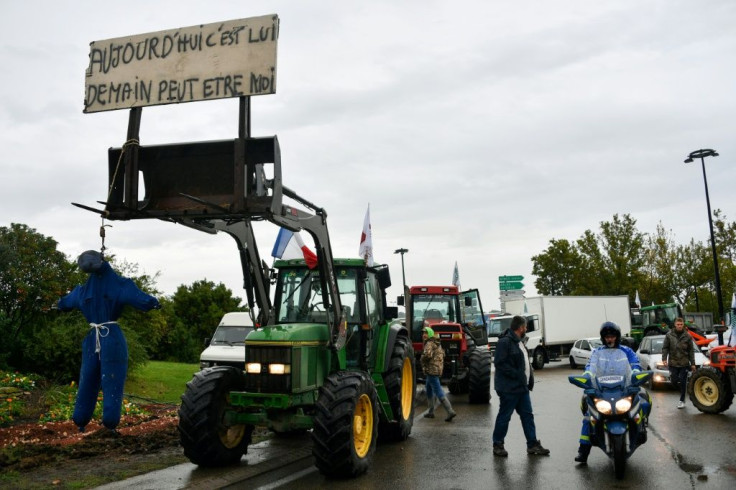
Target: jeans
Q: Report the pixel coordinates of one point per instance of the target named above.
(433, 387)
(678, 376)
(522, 403)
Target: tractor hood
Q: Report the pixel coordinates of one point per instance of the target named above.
(289, 333)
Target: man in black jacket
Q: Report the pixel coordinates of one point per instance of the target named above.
(514, 379)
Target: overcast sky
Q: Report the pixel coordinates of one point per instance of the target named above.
(477, 130)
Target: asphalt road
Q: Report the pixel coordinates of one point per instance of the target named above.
(685, 450)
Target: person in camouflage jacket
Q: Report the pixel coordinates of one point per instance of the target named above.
(433, 358)
(678, 354)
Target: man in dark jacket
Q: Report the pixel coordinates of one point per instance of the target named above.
(678, 352)
(513, 381)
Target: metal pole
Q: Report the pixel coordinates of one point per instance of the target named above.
(702, 154)
(402, 251)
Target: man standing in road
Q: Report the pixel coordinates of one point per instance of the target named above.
(514, 380)
(678, 352)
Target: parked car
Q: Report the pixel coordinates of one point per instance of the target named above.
(650, 358)
(227, 346)
(581, 350)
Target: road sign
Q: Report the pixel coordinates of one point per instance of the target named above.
(510, 278)
(510, 285)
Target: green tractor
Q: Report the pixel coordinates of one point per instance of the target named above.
(297, 378)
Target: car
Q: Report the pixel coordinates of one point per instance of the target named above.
(581, 351)
(650, 358)
(227, 346)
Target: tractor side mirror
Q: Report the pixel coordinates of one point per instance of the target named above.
(400, 300)
(391, 312)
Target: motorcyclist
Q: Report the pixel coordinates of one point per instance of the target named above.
(602, 362)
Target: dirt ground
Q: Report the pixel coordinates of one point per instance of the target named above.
(34, 455)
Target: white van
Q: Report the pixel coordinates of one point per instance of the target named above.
(227, 346)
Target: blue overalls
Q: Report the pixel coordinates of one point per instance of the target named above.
(104, 349)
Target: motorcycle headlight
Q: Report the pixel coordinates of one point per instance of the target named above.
(603, 406)
(623, 405)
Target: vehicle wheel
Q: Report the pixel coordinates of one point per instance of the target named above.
(345, 425)
(572, 363)
(618, 446)
(401, 385)
(538, 358)
(202, 433)
(479, 376)
(708, 391)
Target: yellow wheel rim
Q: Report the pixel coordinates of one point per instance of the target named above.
(706, 391)
(363, 425)
(407, 388)
(230, 436)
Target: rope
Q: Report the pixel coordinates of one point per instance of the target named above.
(98, 327)
(129, 143)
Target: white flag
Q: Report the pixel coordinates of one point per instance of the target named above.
(456, 277)
(366, 239)
(637, 300)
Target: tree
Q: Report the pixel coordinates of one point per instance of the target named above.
(195, 312)
(556, 268)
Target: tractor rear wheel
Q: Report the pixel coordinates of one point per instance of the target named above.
(479, 377)
(401, 385)
(203, 435)
(345, 425)
(709, 391)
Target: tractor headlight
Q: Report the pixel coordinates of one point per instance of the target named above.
(623, 405)
(253, 367)
(603, 406)
(279, 368)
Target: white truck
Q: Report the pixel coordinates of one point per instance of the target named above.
(227, 346)
(556, 322)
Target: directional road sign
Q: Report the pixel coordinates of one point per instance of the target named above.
(510, 278)
(510, 285)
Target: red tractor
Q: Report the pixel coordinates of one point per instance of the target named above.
(711, 388)
(457, 319)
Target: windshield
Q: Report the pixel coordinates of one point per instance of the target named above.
(609, 362)
(497, 326)
(230, 335)
(301, 296)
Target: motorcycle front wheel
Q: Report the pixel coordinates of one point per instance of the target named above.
(618, 445)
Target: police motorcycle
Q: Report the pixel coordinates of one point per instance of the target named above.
(617, 409)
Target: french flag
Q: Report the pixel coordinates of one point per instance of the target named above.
(289, 245)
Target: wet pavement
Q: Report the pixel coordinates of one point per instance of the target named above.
(686, 450)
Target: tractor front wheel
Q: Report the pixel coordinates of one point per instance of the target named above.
(709, 391)
(401, 385)
(345, 425)
(479, 377)
(206, 440)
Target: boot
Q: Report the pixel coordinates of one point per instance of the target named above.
(583, 452)
(450, 412)
(430, 411)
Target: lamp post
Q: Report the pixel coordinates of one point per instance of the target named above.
(702, 154)
(402, 251)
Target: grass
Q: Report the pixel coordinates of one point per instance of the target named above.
(160, 381)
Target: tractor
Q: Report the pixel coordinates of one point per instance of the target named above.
(711, 387)
(457, 319)
(658, 319)
(326, 356)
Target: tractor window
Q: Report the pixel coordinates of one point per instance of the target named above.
(432, 308)
(300, 296)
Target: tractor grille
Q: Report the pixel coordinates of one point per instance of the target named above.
(264, 382)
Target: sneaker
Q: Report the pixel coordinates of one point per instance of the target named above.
(537, 449)
(681, 404)
(498, 450)
(428, 415)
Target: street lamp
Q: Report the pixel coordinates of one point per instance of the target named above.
(702, 154)
(402, 251)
